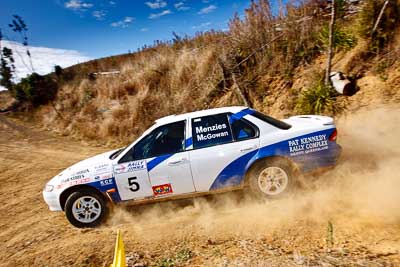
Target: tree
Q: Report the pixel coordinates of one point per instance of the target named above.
(58, 70)
(176, 38)
(7, 66)
(18, 25)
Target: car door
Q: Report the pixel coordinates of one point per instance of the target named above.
(223, 145)
(132, 179)
(161, 154)
(169, 165)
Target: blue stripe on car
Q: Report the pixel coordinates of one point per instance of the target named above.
(157, 160)
(234, 173)
(240, 114)
(188, 142)
(103, 187)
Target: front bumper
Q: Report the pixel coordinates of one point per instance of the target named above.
(52, 200)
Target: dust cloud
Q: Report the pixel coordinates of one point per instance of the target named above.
(363, 189)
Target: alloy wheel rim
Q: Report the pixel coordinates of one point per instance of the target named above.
(86, 209)
(273, 181)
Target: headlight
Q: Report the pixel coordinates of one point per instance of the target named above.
(48, 188)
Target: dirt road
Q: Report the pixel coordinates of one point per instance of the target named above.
(347, 217)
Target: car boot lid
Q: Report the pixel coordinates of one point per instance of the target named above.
(310, 120)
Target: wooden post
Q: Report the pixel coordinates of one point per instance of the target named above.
(239, 91)
(55, 109)
(330, 45)
(378, 20)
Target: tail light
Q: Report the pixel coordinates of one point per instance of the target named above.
(333, 135)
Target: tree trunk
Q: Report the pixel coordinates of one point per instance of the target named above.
(55, 109)
(330, 45)
(239, 91)
(378, 20)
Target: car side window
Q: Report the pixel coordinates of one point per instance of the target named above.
(242, 129)
(166, 139)
(211, 131)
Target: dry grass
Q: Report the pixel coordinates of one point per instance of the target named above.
(189, 74)
(155, 85)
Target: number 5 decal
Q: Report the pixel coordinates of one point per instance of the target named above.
(133, 186)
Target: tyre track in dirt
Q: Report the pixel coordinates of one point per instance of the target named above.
(359, 198)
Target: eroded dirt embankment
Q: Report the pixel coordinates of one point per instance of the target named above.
(348, 216)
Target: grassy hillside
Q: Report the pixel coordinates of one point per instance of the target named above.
(276, 60)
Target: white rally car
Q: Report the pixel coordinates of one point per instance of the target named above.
(202, 152)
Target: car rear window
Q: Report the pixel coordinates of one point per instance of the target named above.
(242, 129)
(274, 122)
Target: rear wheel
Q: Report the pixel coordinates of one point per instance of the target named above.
(272, 179)
(86, 208)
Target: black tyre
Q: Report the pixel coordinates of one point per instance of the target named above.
(86, 208)
(273, 178)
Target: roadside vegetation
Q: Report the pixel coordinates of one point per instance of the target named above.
(272, 61)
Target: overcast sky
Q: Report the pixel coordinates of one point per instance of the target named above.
(43, 59)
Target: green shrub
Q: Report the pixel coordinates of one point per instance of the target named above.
(319, 99)
(343, 39)
(184, 255)
(167, 262)
(35, 89)
(88, 95)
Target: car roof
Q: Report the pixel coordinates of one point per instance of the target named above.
(206, 112)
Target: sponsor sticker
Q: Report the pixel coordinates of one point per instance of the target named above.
(76, 176)
(73, 182)
(121, 168)
(82, 172)
(163, 189)
(102, 177)
(130, 167)
(305, 145)
(105, 167)
(136, 165)
(106, 182)
(73, 178)
(211, 132)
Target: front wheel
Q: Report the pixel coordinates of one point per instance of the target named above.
(86, 208)
(272, 179)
